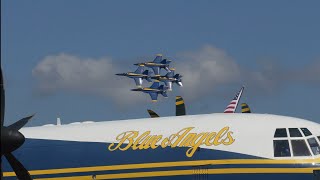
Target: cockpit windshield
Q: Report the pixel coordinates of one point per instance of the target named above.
(300, 142)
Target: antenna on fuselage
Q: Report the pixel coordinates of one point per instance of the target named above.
(58, 121)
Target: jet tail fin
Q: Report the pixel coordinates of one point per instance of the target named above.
(245, 108)
(164, 94)
(153, 114)
(165, 61)
(147, 72)
(177, 76)
(180, 106)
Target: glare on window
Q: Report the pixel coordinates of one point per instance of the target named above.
(306, 132)
(314, 146)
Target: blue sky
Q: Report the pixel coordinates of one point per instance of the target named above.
(273, 47)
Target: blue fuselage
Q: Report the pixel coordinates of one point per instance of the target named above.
(84, 160)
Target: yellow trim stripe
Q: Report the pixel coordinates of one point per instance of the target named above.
(179, 103)
(178, 97)
(191, 172)
(168, 164)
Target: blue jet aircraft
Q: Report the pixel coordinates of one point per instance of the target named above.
(170, 78)
(138, 75)
(154, 90)
(157, 64)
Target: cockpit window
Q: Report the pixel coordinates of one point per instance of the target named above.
(314, 146)
(299, 148)
(319, 138)
(306, 132)
(281, 148)
(294, 132)
(281, 133)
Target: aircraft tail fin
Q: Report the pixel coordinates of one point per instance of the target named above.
(153, 114)
(164, 94)
(147, 72)
(245, 108)
(139, 70)
(180, 106)
(179, 80)
(165, 61)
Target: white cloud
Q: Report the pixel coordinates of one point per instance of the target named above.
(203, 71)
(83, 75)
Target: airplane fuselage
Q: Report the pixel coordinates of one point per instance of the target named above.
(212, 146)
(147, 90)
(164, 78)
(152, 64)
(133, 75)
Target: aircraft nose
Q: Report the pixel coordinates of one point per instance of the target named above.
(119, 74)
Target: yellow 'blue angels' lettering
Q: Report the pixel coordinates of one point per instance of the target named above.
(183, 138)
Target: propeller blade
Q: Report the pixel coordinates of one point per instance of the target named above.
(1, 168)
(18, 168)
(153, 114)
(2, 99)
(19, 124)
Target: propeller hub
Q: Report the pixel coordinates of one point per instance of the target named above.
(10, 140)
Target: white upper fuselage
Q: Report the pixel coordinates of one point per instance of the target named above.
(251, 134)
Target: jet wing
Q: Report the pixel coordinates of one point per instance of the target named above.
(154, 96)
(138, 81)
(158, 58)
(155, 85)
(156, 70)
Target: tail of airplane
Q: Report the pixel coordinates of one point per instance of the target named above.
(164, 90)
(153, 114)
(179, 80)
(245, 108)
(164, 94)
(165, 61)
(180, 107)
(139, 70)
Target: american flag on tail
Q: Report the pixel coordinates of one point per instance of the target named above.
(231, 108)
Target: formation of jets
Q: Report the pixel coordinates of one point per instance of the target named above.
(156, 88)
